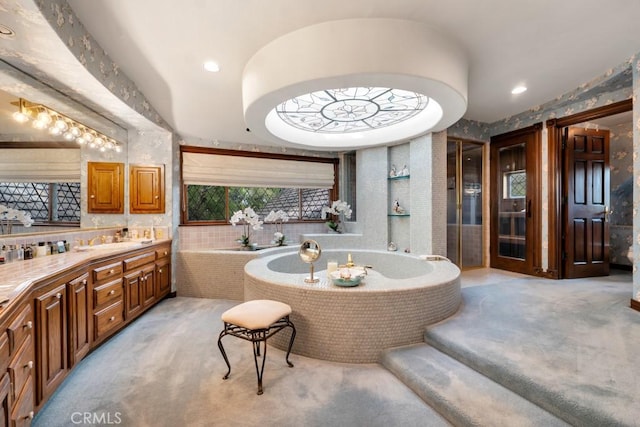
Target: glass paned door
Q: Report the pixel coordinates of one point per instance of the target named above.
(512, 201)
(464, 203)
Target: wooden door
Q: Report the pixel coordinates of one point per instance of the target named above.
(146, 189)
(80, 328)
(51, 311)
(163, 278)
(105, 182)
(515, 206)
(148, 285)
(586, 208)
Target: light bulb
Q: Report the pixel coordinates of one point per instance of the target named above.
(80, 140)
(61, 124)
(68, 136)
(44, 117)
(75, 131)
(88, 136)
(53, 130)
(98, 141)
(20, 117)
(39, 124)
(118, 149)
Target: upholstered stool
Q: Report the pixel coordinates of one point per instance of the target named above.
(256, 321)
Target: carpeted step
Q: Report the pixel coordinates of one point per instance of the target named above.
(460, 394)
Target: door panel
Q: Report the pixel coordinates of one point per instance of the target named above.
(515, 207)
(586, 247)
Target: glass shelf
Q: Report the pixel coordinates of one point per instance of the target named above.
(404, 214)
(394, 178)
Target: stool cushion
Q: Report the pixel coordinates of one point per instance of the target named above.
(256, 314)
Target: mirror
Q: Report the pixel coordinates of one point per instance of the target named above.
(39, 197)
(309, 252)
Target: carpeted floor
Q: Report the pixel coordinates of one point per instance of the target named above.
(570, 346)
(165, 369)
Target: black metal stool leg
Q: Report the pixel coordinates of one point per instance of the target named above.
(224, 354)
(256, 354)
(293, 336)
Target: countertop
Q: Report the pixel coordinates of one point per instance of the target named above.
(17, 276)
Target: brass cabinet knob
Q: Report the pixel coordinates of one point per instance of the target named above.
(29, 325)
(112, 291)
(93, 196)
(112, 318)
(58, 295)
(160, 271)
(29, 364)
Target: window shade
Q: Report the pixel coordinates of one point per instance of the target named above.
(238, 171)
(40, 165)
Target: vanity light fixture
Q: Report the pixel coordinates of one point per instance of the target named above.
(518, 90)
(45, 118)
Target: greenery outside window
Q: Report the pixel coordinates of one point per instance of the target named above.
(217, 183)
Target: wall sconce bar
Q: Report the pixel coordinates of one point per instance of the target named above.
(45, 118)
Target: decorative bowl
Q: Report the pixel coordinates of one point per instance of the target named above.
(347, 277)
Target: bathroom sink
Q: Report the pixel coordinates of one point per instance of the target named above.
(121, 245)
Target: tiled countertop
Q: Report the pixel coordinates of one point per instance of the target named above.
(17, 276)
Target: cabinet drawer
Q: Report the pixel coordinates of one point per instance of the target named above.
(4, 352)
(22, 413)
(140, 260)
(108, 293)
(20, 328)
(107, 319)
(107, 272)
(163, 252)
(21, 367)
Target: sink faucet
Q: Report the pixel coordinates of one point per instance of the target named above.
(92, 241)
(350, 262)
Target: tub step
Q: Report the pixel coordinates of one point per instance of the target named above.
(460, 394)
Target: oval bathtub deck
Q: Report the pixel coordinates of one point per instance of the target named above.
(397, 300)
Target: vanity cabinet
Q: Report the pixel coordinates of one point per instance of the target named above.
(105, 182)
(52, 325)
(163, 271)
(51, 347)
(146, 189)
(17, 363)
(80, 318)
(108, 298)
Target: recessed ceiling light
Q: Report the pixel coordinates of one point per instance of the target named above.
(211, 66)
(518, 90)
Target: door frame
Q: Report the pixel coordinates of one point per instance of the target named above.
(533, 260)
(556, 159)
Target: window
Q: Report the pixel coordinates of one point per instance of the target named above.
(48, 203)
(218, 183)
(515, 185)
(214, 203)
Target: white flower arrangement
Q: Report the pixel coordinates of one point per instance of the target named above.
(278, 218)
(337, 210)
(8, 215)
(249, 220)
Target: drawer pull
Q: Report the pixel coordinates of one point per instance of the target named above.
(58, 295)
(160, 271)
(30, 416)
(112, 271)
(112, 291)
(28, 325)
(166, 253)
(29, 364)
(84, 282)
(112, 318)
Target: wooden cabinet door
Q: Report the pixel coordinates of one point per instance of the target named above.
(146, 189)
(163, 277)
(51, 350)
(106, 187)
(148, 285)
(5, 399)
(80, 318)
(133, 296)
